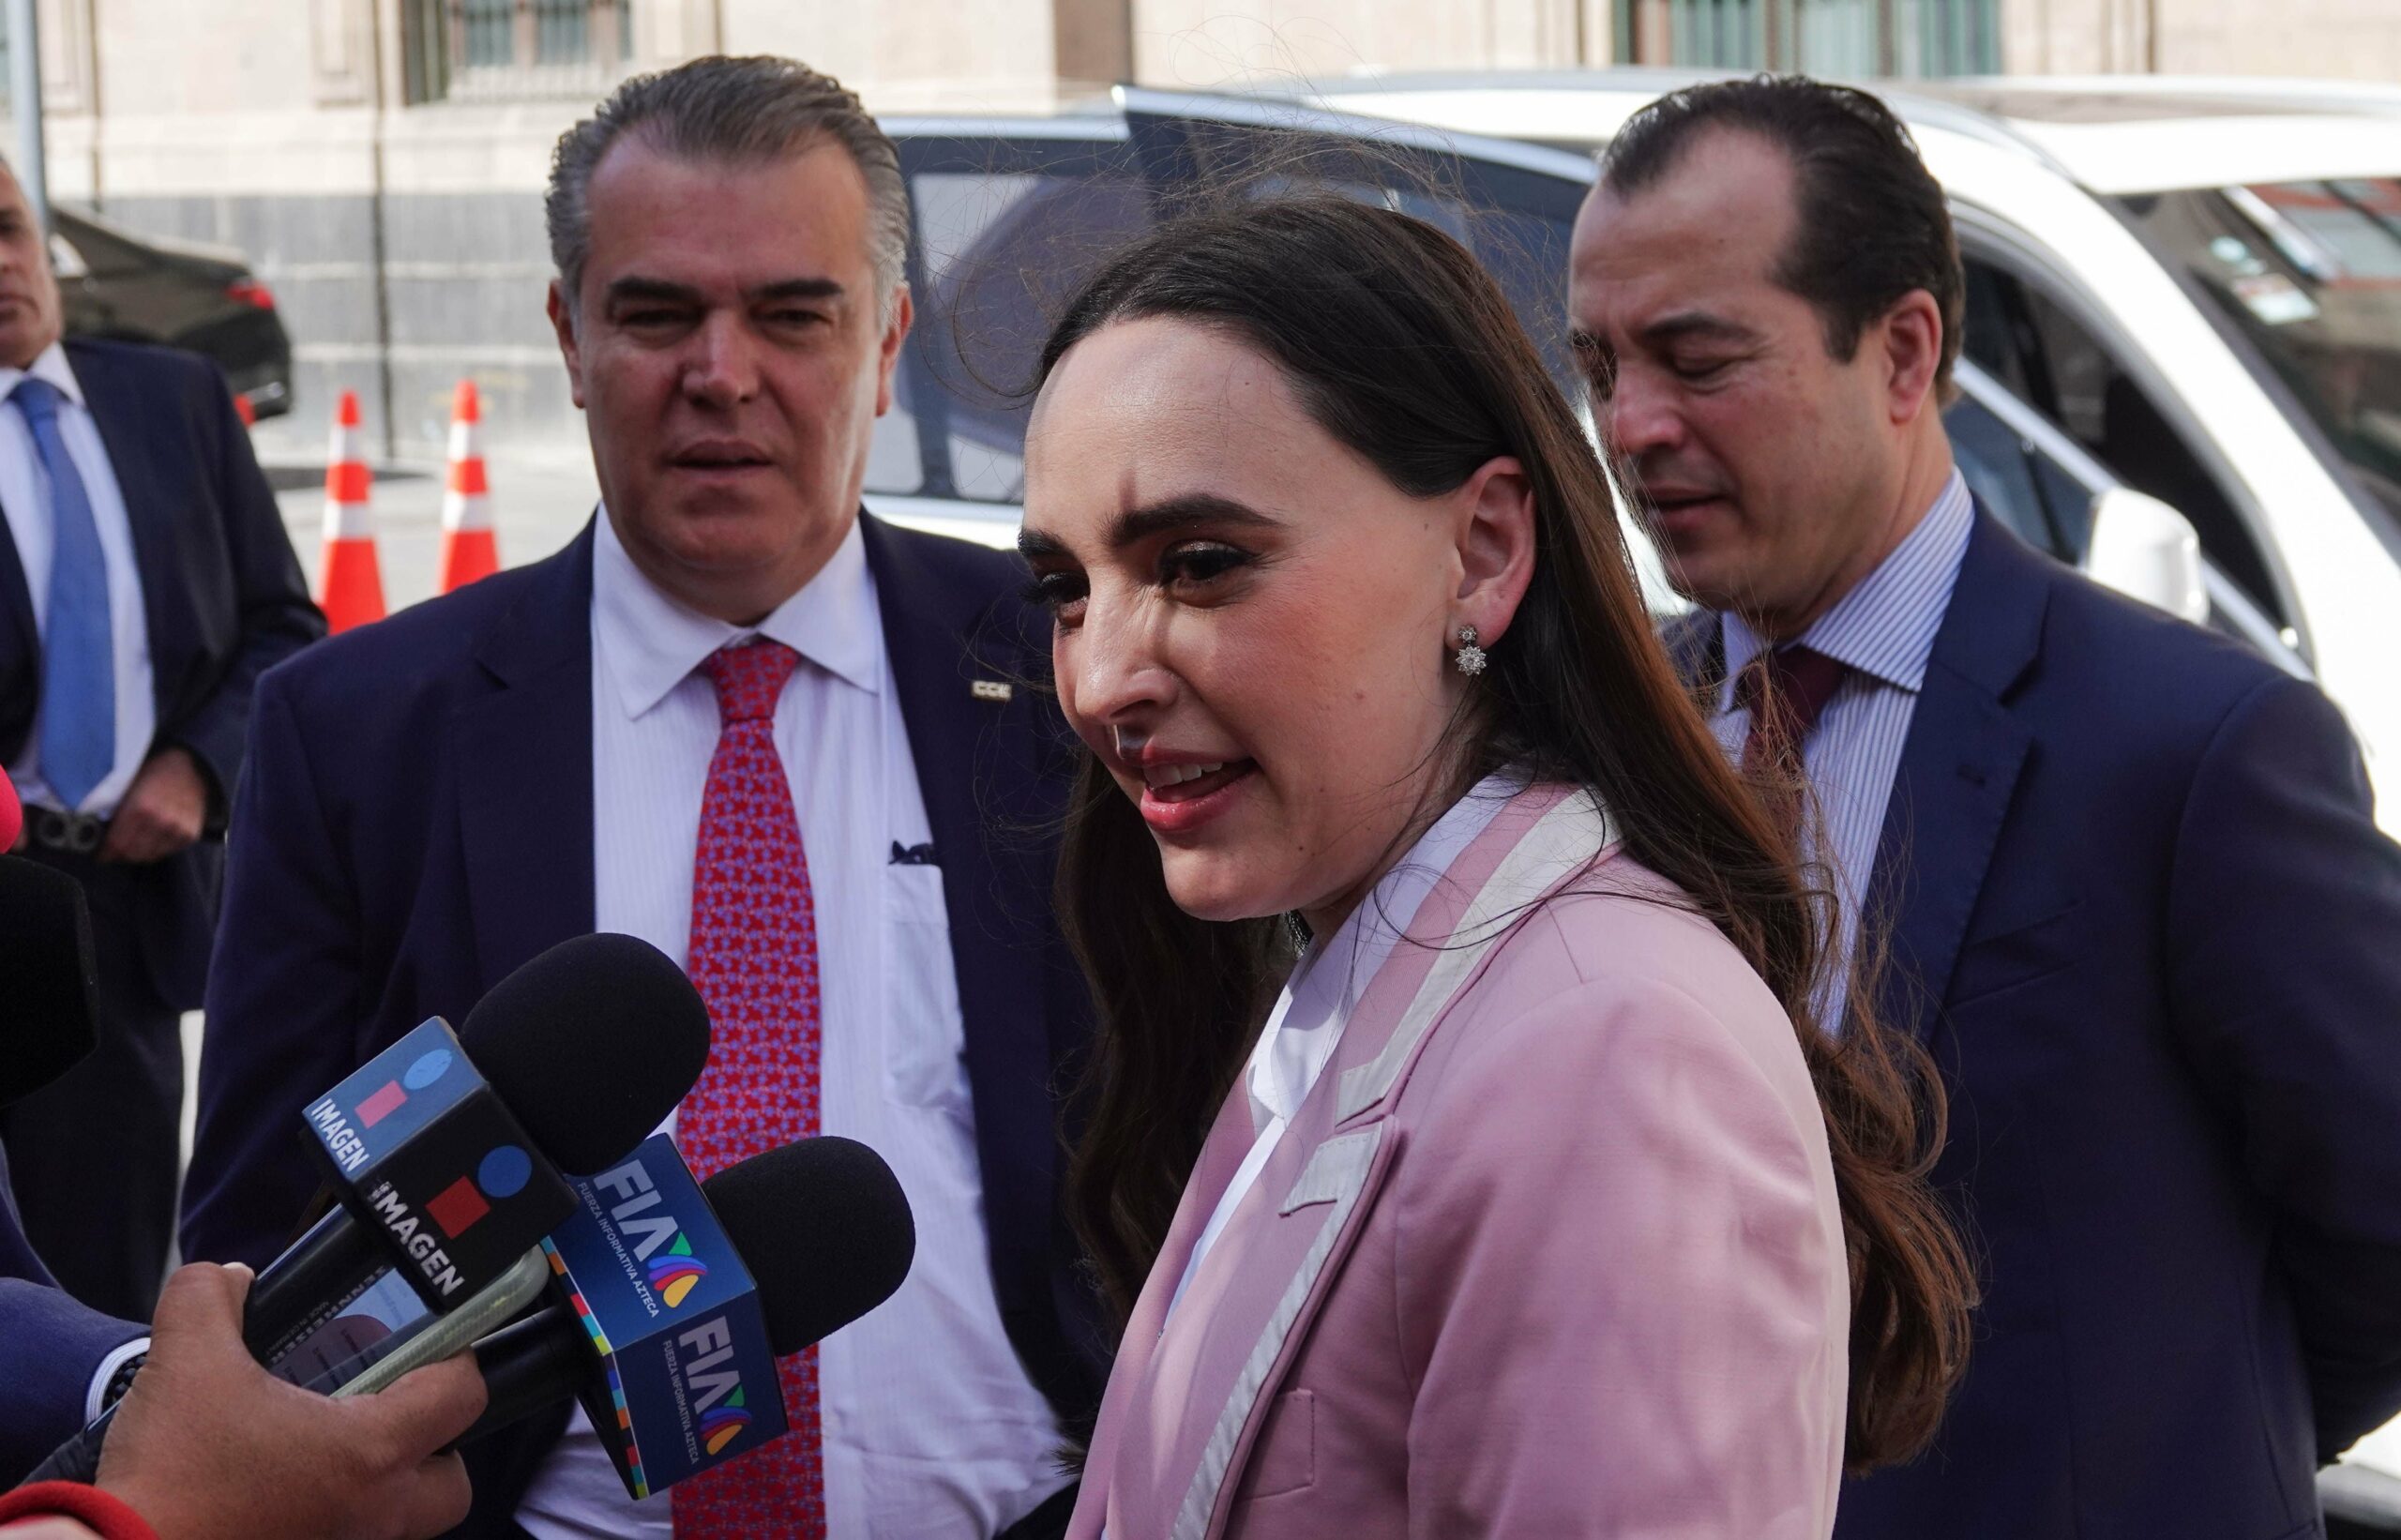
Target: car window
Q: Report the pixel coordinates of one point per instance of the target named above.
(1517, 220)
(2026, 472)
(2309, 275)
(1998, 466)
(1005, 232)
(1003, 235)
(2037, 348)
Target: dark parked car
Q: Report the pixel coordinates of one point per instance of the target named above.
(140, 289)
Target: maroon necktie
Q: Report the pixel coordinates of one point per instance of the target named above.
(753, 958)
(1783, 688)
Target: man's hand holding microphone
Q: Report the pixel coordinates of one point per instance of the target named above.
(208, 1443)
(567, 1064)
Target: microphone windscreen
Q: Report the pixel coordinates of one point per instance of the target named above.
(824, 1230)
(12, 813)
(48, 982)
(591, 1045)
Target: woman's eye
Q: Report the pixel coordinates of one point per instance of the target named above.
(1056, 591)
(1700, 371)
(1201, 563)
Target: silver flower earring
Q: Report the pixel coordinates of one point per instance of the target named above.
(1469, 660)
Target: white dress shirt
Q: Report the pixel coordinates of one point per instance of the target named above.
(932, 1429)
(1307, 1024)
(1883, 630)
(24, 497)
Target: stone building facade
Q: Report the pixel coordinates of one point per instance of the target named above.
(380, 161)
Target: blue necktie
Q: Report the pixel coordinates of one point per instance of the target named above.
(78, 673)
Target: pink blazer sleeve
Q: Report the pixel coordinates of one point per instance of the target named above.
(1624, 1277)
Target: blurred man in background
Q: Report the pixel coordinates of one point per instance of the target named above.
(2134, 898)
(145, 584)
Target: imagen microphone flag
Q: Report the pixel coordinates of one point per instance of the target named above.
(423, 1149)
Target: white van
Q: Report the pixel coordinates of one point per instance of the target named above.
(2200, 286)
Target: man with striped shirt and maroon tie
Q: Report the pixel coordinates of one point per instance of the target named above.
(2133, 894)
(755, 726)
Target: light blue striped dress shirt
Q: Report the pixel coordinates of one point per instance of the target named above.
(1883, 630)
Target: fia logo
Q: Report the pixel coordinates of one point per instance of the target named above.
(713, 1384)
(657, 1240)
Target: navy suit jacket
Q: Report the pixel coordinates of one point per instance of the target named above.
(50, 1348)
(2138, 909)
(220, 590)
(417, 821)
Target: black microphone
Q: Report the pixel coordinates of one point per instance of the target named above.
(52, 980)
(824, 1234)
(585, 1049)
(449, 1175)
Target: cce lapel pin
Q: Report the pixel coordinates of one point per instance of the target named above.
(991, 689)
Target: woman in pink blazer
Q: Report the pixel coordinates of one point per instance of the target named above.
(1538, 1205)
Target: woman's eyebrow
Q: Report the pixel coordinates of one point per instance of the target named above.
(1139, 524)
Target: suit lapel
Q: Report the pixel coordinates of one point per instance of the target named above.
(1958, 770)
(1186, 1410)
(995, 886)
(20, 651)
(525, 771)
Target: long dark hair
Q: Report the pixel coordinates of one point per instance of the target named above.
(1404, 350)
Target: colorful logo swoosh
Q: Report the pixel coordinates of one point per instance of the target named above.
(723, 1424)
(675, 1272)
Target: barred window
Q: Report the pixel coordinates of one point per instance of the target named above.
(501, 50)
(1839, 39)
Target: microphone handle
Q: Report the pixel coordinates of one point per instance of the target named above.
(532, 1365)
(535, 1364)
(79, 1458)
(291, 1295)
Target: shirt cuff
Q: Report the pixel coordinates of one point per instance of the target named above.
(96, 1398)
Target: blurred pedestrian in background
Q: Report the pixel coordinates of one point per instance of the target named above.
(2126, 869)
(774, 736)
(145, 584)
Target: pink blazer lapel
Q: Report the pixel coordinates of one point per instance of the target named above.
(1184, 1402)
(1229, 1139)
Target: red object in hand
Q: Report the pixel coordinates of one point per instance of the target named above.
(87, 1505)
(12, 815)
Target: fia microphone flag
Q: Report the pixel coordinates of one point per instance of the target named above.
(424, 1151)
(686, 1378)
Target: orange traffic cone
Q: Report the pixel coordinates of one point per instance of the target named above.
(352, 591)
(469, 548)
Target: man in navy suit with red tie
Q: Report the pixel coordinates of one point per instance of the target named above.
(145, 582)
(742, 719)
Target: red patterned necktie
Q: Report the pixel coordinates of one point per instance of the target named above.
(754, 959)
(1785, 690)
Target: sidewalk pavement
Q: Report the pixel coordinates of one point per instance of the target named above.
(539, 504)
